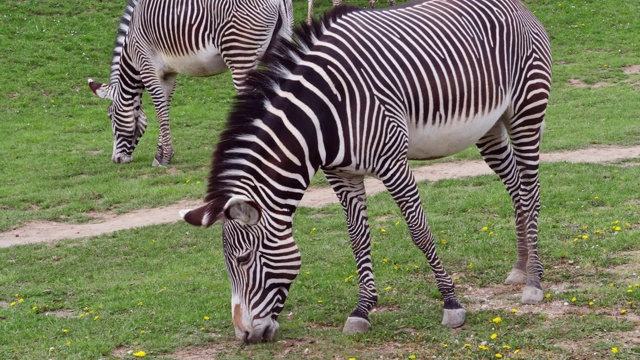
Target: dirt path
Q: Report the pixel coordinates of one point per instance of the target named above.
(318, 197)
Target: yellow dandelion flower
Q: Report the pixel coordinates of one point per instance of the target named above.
(614, 350)
(140, 303)
(412, 356)
(444, 241)
(445, 345)
(612, 284)
(352, 358)
(516, 351)
(629, 291)
(471, 265)
(573, 299)
(68, 343)
(388, 288)
(596, 198)
(514, 310)
(498, 319)
(13, 303)
(617, 228)
(485, 228)
(585, 237)
(467, 345)
(20, 301)
(383, 230)
(140, 354)
(482, 347)
(65, 331)
(320, 301)
(591, 303)
(96, 317)
(385, 260)
(142, 332)
(206, 318)
(499, 356)
(397, 222)
(506, 347)
(623, 311)
(493, 336)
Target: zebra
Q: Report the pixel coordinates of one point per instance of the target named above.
(157, 40)
(372, 4)
(456, 73)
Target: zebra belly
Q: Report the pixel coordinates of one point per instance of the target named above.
(434, 141)
(205, 62)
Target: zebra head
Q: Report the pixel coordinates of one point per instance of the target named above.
(262, 261)
(128, 120)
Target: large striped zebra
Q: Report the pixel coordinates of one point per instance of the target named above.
(159, 39)
(456, 73)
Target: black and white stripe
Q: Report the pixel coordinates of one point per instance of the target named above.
(360, 93)
(156, 40)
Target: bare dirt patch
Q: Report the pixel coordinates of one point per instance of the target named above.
(632, 70)
(580, 84)
(315, 198)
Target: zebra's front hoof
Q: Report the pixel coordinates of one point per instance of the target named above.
(453, 318)
(161, 162)
(356, 325)
(532, 295)
(516, 277)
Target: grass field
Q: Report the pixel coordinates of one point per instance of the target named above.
(164, 290)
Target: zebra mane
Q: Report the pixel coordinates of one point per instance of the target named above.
(249, 105)
(123, 29)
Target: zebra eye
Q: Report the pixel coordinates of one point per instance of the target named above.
(244, 258)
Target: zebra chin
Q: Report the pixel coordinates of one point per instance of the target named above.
(263, 330)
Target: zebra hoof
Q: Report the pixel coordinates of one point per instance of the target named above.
(516, 277)
(532, 295)
(453, 318)
(156, 163)
(356, 325)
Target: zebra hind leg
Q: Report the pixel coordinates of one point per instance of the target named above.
(519, 174)
(352, 196)
(403, 188)
(497, 152)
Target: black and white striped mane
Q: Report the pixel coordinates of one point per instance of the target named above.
(121, 35)
(249, 104)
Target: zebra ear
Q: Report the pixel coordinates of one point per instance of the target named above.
(100, 89)
(199, 216)
(242, 209)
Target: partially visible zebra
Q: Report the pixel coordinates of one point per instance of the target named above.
(457, 73)
(159, 39)
(372, 4)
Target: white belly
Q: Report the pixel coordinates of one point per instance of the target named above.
(433, 141)
(205, 62)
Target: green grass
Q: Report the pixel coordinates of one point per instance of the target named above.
(55, 142)
(55, 137)
(164, 280)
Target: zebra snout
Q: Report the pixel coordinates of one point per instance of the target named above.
(121, 158)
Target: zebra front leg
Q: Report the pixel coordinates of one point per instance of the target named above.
(160, 87)
(403, 188)
(352, 196)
